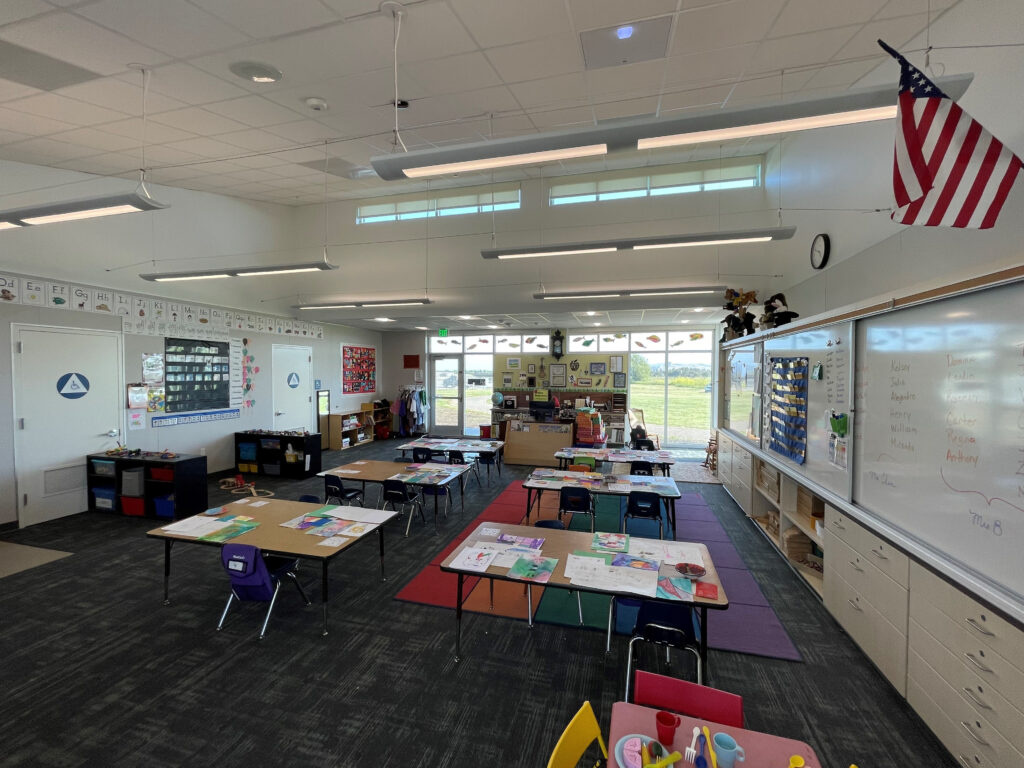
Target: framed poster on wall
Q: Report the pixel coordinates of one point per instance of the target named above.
(358, 370)
(557, 374)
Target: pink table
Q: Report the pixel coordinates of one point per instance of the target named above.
(763, 750)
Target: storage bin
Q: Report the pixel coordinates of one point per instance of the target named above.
(485, 431)
(131, 481)
(103, 467)
(271, 469)
(163, 474)
(133, 506)
(247, 451)
(103, 498)
(164, 506)
(270, 445)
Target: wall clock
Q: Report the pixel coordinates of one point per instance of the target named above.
(820, 248)
(557, 345)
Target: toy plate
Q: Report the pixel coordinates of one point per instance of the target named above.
(691, 569)
(620, 756)
(215, 511)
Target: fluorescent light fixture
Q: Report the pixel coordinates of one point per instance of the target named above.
(557, 296)
(732, 237)
(630, 294)
(466, 317)
(422, 328)
(328, 306)
(680, 292)
(851, 106)
(367, 304)
(409, 303)
(73, 210)
(279, 269)
(384, 319)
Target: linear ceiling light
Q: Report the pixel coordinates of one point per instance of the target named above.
(368, 304)
(852, 106)
(732, 237)
(680, 291)
(282, 269)
(72, 210)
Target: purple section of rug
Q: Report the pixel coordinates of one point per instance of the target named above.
(692, 498)
(741, 588)
(690, 512)
(724, 555)
(750, 629)
(700, 530)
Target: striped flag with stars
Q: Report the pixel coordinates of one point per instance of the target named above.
(948, 170)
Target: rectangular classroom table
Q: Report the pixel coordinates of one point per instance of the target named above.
(663, 459)
(445, 444)
(762, 749)
(541, 480)
(370, 471)
(271, 537)
(559, 544)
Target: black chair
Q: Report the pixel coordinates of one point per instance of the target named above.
(256, 577)
(577, 501)
(309, 498)
(458, 457)
(646, 505)
(490, 459)
(641, 468)
(335, 489)
(422, 455)
(399, 496)
(672, 625)
(643, 444)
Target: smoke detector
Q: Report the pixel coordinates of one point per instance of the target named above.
(316, 104)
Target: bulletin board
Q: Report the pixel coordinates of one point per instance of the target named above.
(197, 375)
(358, 370)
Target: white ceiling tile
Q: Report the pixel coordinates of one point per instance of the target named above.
(709, 67)
(452, 74)
(269, 18)
(908, 7)
(62, 108)
(7, 137)
(843, 75)
(549, 91)
(431, 28)
(723, 25)
(303, 131)
(72, 39)
(255, 111)
(256, 161)
(11, 90)
(537, 58)
(198, 120)
(499, 22)
(100, 165)
(895, 32)
(205, 147)
(482, 101)
(166, 155)
(16, 10)
(563, 118)
(358, 121)
(811, 15)
(172, 26)
(114, 93)
(510, 125)
(695, 98)
(799, 50)
(51, 149)
(101, 141)
(33, 125)
(614, 110)
(594, 14)
(155, 133)
(189, 85)
(254, 139)
(638, 79)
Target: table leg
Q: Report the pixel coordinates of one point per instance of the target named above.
(704, 643)
(380, 534)
(167, 570)
(323, 592)
(670, 513)
(529, 605)
(529, 502)
(462, 491)
(458, 619)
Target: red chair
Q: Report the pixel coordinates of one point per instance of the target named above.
(686, 698)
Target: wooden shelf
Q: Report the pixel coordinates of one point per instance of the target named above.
(770, 499)
(805, 523)
(814, 578)
(762, 523)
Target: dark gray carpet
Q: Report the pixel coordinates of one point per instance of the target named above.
(97, 672)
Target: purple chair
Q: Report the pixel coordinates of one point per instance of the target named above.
(256, 577)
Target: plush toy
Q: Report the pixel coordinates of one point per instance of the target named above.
(766, 321)
(780, 314)
(740, 321)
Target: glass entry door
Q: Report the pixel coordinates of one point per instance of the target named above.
(446, 395)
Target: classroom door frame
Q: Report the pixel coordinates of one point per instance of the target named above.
(282, 391)
(436, 399)
(61, 484)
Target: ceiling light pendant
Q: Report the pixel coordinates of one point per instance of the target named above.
(367, 304)
(254, 271)
(73, 210)
(626, 294)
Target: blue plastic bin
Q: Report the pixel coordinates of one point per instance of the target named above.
(104, 498)
(247, 451)
(164, 506)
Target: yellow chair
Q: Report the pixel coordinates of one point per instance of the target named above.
(590, 461)
(579, 734)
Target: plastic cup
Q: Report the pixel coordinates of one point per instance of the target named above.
(667, 723)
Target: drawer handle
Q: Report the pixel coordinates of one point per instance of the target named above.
(978, 628)
(976, 663)
(973, 697)
(977, 739)
(839, 525)
(856, 567)
(879, 555)
(855, 606)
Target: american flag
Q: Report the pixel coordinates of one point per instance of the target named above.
(948, 171)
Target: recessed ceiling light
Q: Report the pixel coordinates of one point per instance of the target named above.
(383, 319)
(596, 323)
(465, 317)
(624, 33)
(684, 321)
(255, 72)
(698, 309)
(422, 328)
(591, 314)
(493, 326)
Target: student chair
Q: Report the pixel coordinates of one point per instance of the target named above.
(458, 457)
(613, 608)
(422, 455)
(256, 577)
(577, 501)
(672, 625)
(490, 459)
(440, 491)
(399, 496)
(590, 461)
(643, 444)
(641, 468)
(309, 498)
(582, 731)
(335, 489)
(554, 525)
(686, 698)
(646, 505)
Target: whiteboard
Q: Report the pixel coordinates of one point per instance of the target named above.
(743, 391)
(940, 424)
(830, 346)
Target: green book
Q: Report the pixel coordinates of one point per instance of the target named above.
(536, 568)
(236, 527)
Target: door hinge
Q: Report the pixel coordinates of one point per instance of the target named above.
(21, 423)
(18, 347)
(24, 500)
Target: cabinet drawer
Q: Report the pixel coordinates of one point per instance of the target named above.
(884, 594)
(965, 646)
(967, 731)
(987, 627)
(881, 641)
(888, 559)
(740, 458)
(952, 735)
(983, 699)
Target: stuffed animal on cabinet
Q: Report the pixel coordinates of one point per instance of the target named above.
(781, 314)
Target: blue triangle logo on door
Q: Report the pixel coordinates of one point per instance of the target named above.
(72, 386)
(293, 380)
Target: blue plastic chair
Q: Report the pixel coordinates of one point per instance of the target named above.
(576, 501)
(422, 455)
(256, 578)
(399, 496)
(641, 468)
(309, 498)
(672, 625)
(644, 504)
(335, 489)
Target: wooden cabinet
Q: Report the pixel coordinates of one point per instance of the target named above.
(734, 470)
(351, 429)
(283, 454)
(148, 485)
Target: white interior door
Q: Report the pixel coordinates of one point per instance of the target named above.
(293, 387)
(446, 393)
(68, 402)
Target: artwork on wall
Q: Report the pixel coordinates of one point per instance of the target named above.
(410, 361)
(506, 379)
(557, 374)
(531, 368)
(598, 369)
(619, 380)
(584, 381)
(358, 370)
(615, 364)
(514, 363)
(196, 375)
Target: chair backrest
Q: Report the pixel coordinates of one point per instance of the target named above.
(589, 461)
(395, 490)
(579, 734)
(250, 579)
(643, 444)
(487, 457)
(643, 504)
(333, 485)
(686, 698)
(672, 624)
(456, 457)
(556, 524)
(421, 455)
(309, 498)
(641, 468)
(574, 499)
